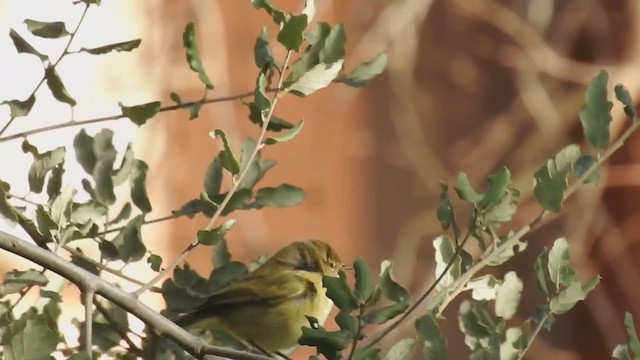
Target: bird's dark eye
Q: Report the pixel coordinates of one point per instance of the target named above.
(332, 264)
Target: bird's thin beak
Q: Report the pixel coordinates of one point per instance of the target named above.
(347, 267)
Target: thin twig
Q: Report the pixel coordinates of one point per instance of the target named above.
(121, 116)
(378, 337)
(236, 183)
(64, 53)
(88, 320)
(114, 324)
(146, 222)
(533, 336)
(100, 266)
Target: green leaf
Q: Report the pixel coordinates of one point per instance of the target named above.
(286, 136)
(121, 46)
(464, 189)
(474, 319)
(348, 323)
(386, 313)
(44, 221)
(84, 263)
(550, 181)
(366, 354)
(508, 296)
(621, 352)
(262, 53)
(560, 270)
(139, 114)
(509, 349)
(20, 108)
(227, 274)
(445, 212)
(632, 335)
(62, 206)
(221, 254)
(239, 201)
(316, 78)
(124, 171)
(390, 288)
(55, 181)
(364, 283)
(91, 211)
(56, 86)
(338, 290)
(333, 49)
(277, 15)
(229, 161)
(22, 46)
(509, 252)
(290, 35)
(213, 177)
(445, 252)
(212, 237)
(48, 30)
(361, 75)
(540, 268)
(138, 186)
(7, 210)
(282, 196)
(584, 163)
(128, 242)
(257, 169)
(83, 147)
(401, 350)
(327, 343)
(434, 346)
(193, 107)
(15, 280)
(185, 291)
(105, 154)
(484, 287)
(42, 164)
(595, 115)
(193, 55)
(625, 98)
(30, 338)
(498, 184)
(155, 261)
(569, 296)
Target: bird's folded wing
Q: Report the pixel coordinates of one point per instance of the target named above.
(261, 290)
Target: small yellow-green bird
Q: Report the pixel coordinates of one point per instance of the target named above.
(269, 307)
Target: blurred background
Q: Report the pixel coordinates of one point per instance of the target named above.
(471, 85)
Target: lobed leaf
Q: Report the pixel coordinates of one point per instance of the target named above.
(121, 46)
(282, 196)
(595, 115)
(19, 108)
(550, 181)
(193, 55)
(22, 46)
(138, 186)
(139, 114)
(48, 30)
(434, 342)
(56, 86)
(364, 282)
(363, 73)
(338, 290)
(229, 161)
